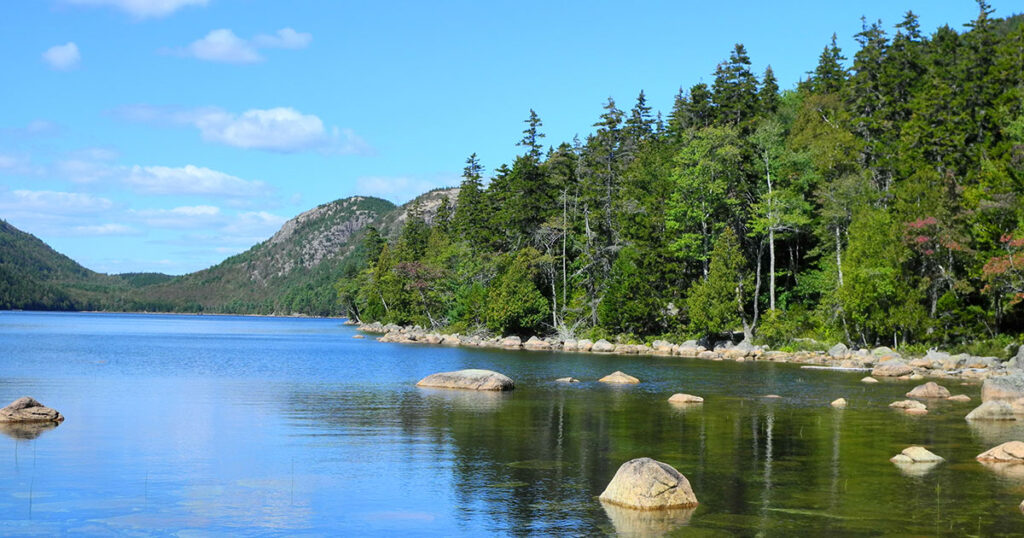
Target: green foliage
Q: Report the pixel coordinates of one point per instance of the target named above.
(715, 304)
(514, 305)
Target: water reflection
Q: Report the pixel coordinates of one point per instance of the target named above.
(25, 430)
(629, 522)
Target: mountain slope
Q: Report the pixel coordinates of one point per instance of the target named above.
(290, 272)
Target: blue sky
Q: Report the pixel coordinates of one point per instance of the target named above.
(166, 135)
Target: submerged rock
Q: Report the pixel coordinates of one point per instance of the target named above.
(618, 377)
(1009, 452)
(959, 398)
(567, 380)
(992, 410)
(472, 379)
(27, 409)
(868, 379)
(916, 454)
(910, 407)
(838, 403)
(929, 390)
(681, 398)
(646, 484)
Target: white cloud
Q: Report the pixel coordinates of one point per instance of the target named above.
(258, 224)
(222, 45)
(191, 180)
(104, 229)
(63, 57)
(18, 165)
(54, 202)
(142, 8)
(281, 129)
(285, 38)
(90, 165)
(200, 216)
(400, 189)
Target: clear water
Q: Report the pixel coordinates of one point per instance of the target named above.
(199, 425)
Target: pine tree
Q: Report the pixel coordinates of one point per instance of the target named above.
(830, 75)
(715, 305)
(768, 95)
(735, 90)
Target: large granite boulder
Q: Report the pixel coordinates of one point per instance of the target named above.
(537, 344)
(619, 377)
(893, 368)
(27, 409)
(602, 346)
(1017, 362)
(646, 484)
(511, 342)
(992, 410)
(1009, 452)
(838, 351)
(1004, 387)
(472, 379)
(929, 390)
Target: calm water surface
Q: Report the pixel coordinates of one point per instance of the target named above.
(198, 425)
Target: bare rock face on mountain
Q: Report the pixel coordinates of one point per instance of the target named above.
(646, 484)
(471, 379)
(27, 409)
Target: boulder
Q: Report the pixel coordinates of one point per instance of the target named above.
(646, 484)
(916, 454)
(625, 349)
(472, 379)
(27, 409)
(662, 347)
(838, 351)
(570, 345)
(567, 380)
(1009, 452)
(910, 407)
(992, 410)
(929, 390)
(1006, 387)
(959, 398)
(584, 345)
(358, 336)
(681, 398)
(982, 362)
(893, 368)
(619, 377)
(868, 379)
(602, 346)
(839, 403)
(1017, 362)
(511, 342)
(536, 344)
(882, 351)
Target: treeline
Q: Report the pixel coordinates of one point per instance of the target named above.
(880, 201)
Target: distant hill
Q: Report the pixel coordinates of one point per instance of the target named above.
(294, 271)
(33, 276)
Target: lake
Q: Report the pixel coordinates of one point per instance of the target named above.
(198, 425)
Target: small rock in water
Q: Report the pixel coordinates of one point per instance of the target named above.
(358, 336)
(681, 398)
(916, 454)
(567, 380)
(915, 377)
(646, 484)
(27, 409)
(869, 379)
(772, 396)
(959, 398)
(619, 377)
(929, 390)
(839, 403)
(910, 407)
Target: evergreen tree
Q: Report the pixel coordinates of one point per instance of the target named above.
(735, 90)
(830, 75)
(768, 95)
(716, 304)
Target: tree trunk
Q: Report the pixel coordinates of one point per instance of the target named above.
(839, 257)
(771, 269)
(757, 283)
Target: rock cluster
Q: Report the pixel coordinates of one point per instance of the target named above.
(882, 361)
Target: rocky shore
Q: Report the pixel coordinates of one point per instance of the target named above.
(881, 361)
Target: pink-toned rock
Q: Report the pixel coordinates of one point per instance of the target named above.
(929, 390)
(619, 378)
(681, 398)
(1009, 452)
(959, 398)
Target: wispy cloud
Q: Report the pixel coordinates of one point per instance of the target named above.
(222, 45)
(281, 129)
(105, 229)
(186, 217)
(142, 9)
(63, 57)
(190, 179)
(54, 202)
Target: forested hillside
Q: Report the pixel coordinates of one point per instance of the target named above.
(880, 201)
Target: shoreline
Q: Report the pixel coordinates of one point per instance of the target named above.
(881, 361)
